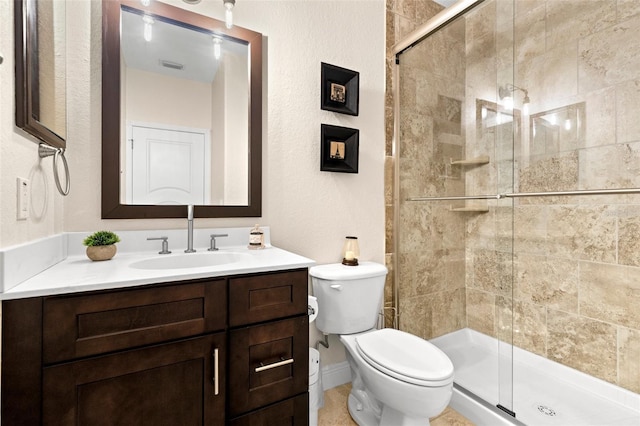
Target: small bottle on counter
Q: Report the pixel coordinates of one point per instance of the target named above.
(256, 238)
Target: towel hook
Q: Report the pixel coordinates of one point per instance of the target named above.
(44, 151)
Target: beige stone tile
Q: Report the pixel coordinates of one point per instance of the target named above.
(530, 327)
(388, 180)
(572, 19)
(446, 312)
(336, 413)
(581, 343)
(547, 281)
(601, 66)
(627, 9)
(628, 105)
(629, 235)
(610, 293)
(493, 272)
(530, 229)
(388, 237)
(413, 313)
(629, 359)
(425, 10)
(450, 417)
(388, 285)
(529, 30)
(550, 173)
(601, 117)
(582, 232)
(611, 166)
(481, 311)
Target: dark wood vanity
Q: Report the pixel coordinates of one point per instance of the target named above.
(230, 350)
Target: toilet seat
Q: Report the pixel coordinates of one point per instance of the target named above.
(405, 357)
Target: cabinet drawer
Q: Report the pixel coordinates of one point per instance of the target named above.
(83, 325)
(168, 384)
(293, 411)
(268, 363)
(265, 297)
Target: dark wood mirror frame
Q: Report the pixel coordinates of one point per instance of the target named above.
(111, 206)
(26, 72)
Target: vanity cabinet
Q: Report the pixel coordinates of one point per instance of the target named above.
(203, 352)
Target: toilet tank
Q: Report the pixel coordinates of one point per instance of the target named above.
(349, 297)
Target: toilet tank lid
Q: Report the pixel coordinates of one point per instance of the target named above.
(338, 271)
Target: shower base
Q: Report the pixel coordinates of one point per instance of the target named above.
(544, 392)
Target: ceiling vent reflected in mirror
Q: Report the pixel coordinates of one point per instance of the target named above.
(172, 65)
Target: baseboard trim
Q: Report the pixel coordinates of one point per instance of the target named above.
(335, 375)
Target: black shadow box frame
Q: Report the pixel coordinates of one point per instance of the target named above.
(340, 88)
(339, 149)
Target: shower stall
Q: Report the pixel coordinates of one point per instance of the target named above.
(517, 205)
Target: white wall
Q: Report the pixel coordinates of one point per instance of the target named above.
(309, 212)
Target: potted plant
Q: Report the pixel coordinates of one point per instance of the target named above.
(101, 245)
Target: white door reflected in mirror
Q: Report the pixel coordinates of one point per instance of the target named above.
(175, 81)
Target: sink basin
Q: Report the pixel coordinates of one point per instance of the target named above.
(190, 260)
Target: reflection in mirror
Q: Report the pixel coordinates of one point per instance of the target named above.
(557, 130)
(181, 113)
(40, 40)
(185, 106)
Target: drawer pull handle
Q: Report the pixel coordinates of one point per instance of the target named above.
(216, 384)
(274, 365)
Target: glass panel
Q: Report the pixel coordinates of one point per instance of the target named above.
(456, 138)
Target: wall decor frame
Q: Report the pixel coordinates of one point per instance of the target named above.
(340, 89)
(339, 149)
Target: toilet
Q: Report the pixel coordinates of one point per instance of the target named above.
(397, 379)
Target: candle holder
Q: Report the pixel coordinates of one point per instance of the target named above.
(350, 251)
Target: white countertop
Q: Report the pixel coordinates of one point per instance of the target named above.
(78, 273)
(73, 272)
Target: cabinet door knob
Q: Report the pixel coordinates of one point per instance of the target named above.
(216, 384)
(274, 365)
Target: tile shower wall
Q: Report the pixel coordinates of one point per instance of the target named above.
(575, 271)
(402, 17)
(572, 264)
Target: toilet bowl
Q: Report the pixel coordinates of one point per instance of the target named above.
(398, 379)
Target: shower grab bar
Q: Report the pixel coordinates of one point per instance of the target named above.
(532, 194)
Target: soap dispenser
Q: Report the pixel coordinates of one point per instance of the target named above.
(256, 238)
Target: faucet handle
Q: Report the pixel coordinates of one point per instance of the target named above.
(213, 241)
(165, 244)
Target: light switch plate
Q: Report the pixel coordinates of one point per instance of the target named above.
(24, 193)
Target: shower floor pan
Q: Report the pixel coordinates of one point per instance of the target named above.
(544, 392)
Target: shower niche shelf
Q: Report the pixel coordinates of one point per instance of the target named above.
(484, 159)
(469, 209)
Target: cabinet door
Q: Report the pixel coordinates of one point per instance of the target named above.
(91, 324)
(268, 363)
(170, 384)
(290, 412)
(266, 297)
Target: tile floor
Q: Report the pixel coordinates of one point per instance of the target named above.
(335, 412)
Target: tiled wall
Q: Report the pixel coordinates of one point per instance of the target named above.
(572, 264)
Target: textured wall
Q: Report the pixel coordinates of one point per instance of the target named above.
(309, 211)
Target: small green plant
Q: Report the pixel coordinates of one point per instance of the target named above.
(101, 238)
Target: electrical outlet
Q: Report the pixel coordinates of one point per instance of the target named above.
(24, 194)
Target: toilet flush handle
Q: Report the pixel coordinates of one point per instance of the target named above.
(337, 287)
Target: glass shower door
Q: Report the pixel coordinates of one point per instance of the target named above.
(454, 154)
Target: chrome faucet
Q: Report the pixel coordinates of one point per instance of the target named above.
(190, 249)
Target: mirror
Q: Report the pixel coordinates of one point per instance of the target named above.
(40, 51)
(182, 114)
